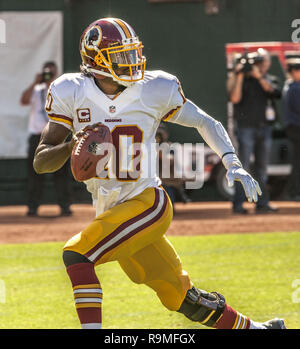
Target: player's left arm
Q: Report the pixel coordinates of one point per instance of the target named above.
(215, 135)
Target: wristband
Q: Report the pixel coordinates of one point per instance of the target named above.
(230, 160)
(229, 152)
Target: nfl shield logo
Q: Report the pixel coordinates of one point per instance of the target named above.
(112, 109)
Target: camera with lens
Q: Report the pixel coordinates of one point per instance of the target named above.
(248, 60)
(47, 75)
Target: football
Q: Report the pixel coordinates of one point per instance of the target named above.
(92, 146)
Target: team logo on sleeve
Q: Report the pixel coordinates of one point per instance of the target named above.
(84, 115)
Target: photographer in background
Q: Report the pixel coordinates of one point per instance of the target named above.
(252, 92)
(291, 94)
(35, 96)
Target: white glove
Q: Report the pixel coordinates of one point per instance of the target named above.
(250, 185)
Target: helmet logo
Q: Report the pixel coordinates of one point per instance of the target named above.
(92, 38)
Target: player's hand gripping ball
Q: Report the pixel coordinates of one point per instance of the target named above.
(93, 147)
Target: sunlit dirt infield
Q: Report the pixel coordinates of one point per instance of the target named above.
(204, 218)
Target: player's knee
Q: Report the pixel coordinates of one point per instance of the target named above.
(71, 257)
(202, 306)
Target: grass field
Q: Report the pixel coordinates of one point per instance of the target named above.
(255, 272)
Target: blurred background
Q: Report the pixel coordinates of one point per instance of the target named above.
(185, 38)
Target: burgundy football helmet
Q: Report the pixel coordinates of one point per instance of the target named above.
(108, 44)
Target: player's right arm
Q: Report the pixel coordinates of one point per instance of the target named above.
(52, 151)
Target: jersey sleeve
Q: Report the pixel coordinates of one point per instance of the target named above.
(175, 102)
(59, 103)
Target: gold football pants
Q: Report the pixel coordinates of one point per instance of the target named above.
(132, 233)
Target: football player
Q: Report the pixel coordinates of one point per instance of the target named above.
(133, 212)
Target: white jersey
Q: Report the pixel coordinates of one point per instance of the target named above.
(133, 116)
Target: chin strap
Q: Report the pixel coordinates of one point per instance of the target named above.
(99, 72)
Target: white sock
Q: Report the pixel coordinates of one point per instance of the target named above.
(91, 326)
(256, 326)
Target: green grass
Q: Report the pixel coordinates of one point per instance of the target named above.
(253, 271)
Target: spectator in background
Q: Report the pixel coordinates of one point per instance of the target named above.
(252, 92)
(291, 93)
(35, 96)
(173, 186)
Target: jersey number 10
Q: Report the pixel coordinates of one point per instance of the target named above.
(127, 140)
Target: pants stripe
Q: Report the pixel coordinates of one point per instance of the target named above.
(131, 227)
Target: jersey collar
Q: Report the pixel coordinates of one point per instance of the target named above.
(121, 100)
